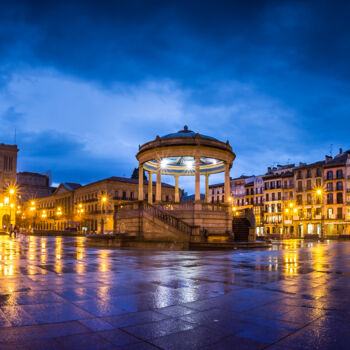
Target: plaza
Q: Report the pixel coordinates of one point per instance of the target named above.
(59, 293)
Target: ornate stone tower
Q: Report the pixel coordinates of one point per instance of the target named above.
(8, 171)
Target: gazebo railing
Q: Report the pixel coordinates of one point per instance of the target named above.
(167, 218)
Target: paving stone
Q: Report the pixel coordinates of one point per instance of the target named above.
(160, 328)
(84, 341)
(134, 299)
(196, 338)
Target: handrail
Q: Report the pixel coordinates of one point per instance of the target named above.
(167, 218)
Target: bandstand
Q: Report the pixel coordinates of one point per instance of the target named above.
(184, 153)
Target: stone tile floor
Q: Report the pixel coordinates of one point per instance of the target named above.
(56, 293)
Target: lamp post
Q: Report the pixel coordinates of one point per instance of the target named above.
(289, 212)
(59, 213)
(103, 201)
(11, 205)
(319, 192)
(33, 209)
(80, 212)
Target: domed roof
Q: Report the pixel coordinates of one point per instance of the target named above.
(185, 133)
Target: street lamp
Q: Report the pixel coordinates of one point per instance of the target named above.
(58, 213)
(80, 212)
(33, 209)
(319, 193)
(12, 192)
(103, 201)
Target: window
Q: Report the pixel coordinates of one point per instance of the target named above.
(308, 173)
(273, 196)
(299, 199)
(279, 184)
(339, 198)
(279, 196)
(339, 213)
(131, 195)
(116, 194)
(329, 175)
(339, 174)
(330, 198)
(272, 185)
(308, 185)
(309, 199)
(300, 186)
(124, 195)
(330, 186)
(267, 197)
(339, 186)
(318, 182)
(318, 172)
(299, 176)
(266, 185)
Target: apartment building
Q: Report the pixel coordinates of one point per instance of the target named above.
(309, 183)
(89, 207)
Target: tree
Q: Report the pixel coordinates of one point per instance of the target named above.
(135, 174)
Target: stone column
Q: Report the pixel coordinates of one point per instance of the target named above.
(150, 187)
(197, 179)
(227, 183)
(207, 199)
(177, 194)
(159, 184)
(140, 182)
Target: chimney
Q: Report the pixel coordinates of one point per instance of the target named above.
(340, 150)
(328, 158)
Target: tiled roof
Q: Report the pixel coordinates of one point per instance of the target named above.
(339, 159)
(72, 186)
(311, 165)
(127, 180)
(31, 174)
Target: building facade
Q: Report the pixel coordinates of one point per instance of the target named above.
(8, 170)
(297, 200)
(33, 185)
(88, 208)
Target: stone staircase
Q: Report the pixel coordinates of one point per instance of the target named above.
(168, 219)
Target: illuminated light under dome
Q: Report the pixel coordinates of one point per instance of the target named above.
(185, 165)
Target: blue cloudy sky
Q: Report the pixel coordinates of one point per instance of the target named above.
(85, 82)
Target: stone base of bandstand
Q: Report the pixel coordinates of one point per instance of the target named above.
(140, 224)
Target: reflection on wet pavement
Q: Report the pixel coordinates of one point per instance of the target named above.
(56, 293)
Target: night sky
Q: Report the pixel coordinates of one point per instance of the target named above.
(85, 82)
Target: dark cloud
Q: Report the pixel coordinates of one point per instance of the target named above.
(111, 41)
(276, 72)
(65, 156)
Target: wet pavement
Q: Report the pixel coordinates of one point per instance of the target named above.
(55, 293)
